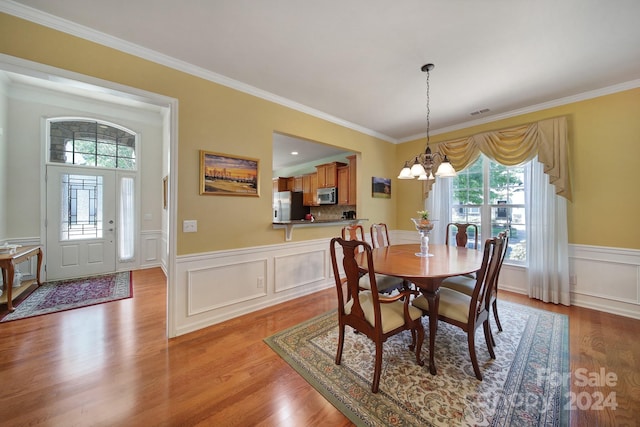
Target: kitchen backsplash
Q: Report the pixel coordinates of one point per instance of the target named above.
(331, 211)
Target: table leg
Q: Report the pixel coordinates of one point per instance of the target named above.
(9, 281)
(433, 298)
(38, 282)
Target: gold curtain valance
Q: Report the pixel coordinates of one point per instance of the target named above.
(513, 146)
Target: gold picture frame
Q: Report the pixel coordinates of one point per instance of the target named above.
(228, 175)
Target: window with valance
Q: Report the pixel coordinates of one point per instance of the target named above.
(546, 139)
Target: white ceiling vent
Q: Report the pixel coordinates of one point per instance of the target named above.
(477, 112)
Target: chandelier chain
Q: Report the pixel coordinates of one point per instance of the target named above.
(428, 108)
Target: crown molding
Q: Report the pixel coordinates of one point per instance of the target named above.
(608, 90)
(69, 27)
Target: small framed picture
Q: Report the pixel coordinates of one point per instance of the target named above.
(228, 175)
(381, 188)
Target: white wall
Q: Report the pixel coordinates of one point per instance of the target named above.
(27, 107)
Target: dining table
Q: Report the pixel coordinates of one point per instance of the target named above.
(427, 273)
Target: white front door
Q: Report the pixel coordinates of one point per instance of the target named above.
(81, 222)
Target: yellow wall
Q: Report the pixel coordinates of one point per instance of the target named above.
(604, 135)
(214, 118)
(604, 141)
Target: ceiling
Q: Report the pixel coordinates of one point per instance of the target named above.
(357, 62)
(307, 151)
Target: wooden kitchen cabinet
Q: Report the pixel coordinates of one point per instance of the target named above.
(343, 185)
(347, 183)
(328, 174)
(296, 183)
(281, 184)
(309, 189)
(352, 180)
(314, 190)
(322, 175)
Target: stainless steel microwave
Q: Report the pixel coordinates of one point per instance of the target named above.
(327, 196)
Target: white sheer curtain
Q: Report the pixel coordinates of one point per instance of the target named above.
(547, 236)
(126, 225)
(438, 204)
(547, 239)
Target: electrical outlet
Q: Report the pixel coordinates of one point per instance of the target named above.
(260, 282)
(189, 226)
(573, 280)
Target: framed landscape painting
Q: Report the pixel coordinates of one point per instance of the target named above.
(381, 187)
(227, 175)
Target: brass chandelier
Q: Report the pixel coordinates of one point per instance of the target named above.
(423, 163)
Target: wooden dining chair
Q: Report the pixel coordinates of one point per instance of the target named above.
(376, 316)
(380, 239)
(379, 235)
(462, 235)
(466, 285)
(353, 232)
(385, 283)
(468, 312)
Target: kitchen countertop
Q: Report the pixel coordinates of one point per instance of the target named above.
(320, 221)
(289, 225)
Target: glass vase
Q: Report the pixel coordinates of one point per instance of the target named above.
(424, 226)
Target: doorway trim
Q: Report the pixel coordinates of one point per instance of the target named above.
(132, 95)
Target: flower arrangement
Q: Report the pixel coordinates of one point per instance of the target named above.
(422, 222)
(423, 214)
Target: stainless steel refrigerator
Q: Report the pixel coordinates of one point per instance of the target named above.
(288, 206)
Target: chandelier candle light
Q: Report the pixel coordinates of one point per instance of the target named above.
(423, 163)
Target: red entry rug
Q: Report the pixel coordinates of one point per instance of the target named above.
(64, 295)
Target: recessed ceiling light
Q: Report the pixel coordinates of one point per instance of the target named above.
(294, 153)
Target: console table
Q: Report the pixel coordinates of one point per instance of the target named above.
(8, 263)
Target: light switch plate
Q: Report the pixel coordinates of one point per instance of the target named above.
(189, 226)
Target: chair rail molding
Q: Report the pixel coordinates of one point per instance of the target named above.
(602, 278)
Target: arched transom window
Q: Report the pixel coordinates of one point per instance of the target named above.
(91, 143)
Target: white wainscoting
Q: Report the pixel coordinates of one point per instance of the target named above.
(151, 249)
(299, 269)
(605, 279)
(217, 286)
(602, 278)
(164, 254)
(150, 255)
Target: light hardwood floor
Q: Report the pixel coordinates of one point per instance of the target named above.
(111, 365)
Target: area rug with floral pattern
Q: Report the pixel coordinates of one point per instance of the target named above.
(64, 295)
(517, 387)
